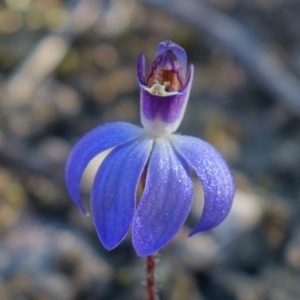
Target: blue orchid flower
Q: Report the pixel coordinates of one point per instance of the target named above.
(155, 153)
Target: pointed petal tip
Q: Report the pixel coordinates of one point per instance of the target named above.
(110, 246)
(191, 70)
(216, 178)
(145, 248)
(78, 203)
(141, 58)
(83, 210)
(145, 252)
(71, 184)
(200, 229)
(109, 242)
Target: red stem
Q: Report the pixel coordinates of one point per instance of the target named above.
(150, 261)
(150, 278)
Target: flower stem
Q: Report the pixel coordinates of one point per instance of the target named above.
(151, 295)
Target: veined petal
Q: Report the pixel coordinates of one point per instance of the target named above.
(166, 200)
(91, 144)
(216, 178)
(177, 50)
(114, 190)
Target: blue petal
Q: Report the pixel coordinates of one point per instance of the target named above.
(166, 200)
(114, 190)
(91, 144)
(216, 178)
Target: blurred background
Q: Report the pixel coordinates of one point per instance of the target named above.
(68, 66)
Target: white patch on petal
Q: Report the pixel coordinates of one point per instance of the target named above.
(158, 127)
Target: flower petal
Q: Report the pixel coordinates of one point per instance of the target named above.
(161, 115)
(114, 190)
(91, 144)
(216, 178)
(166, 200)
(177, 50)
(141, 71)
